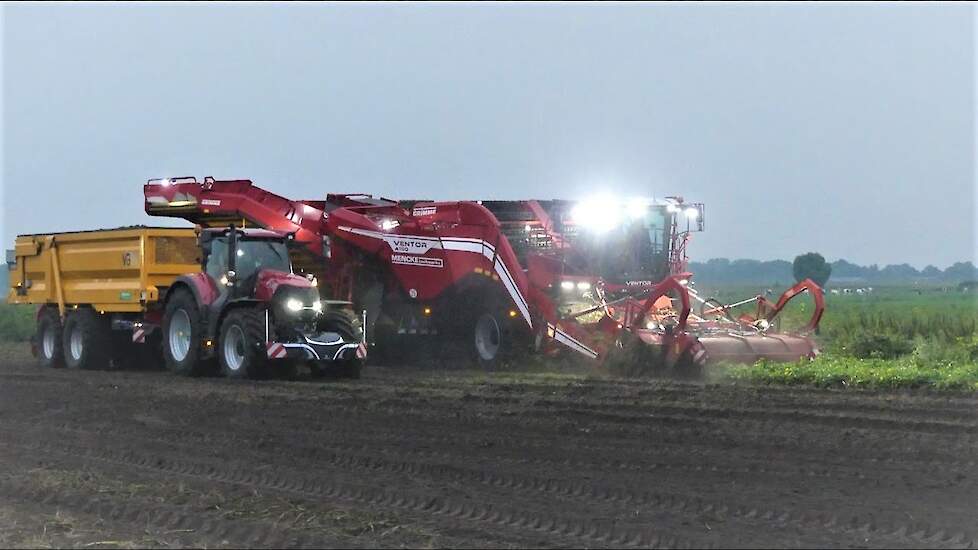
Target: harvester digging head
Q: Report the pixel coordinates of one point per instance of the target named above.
(637, 311)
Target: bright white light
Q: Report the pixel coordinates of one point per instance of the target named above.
(672, 208)
(636, 208)
(600, 213)
(684, 282)
(692, 213)
(293, 304)
(165, 182)
(567, 285)
(583, 285)
(387, 224)
(526, 228)
(240, 252)
(317, 306)
(651, 325)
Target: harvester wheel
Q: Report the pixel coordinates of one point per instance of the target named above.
(85, 341)
(182, 335)
(241, 351)
(493, 337)
(347, 325)
(49, 334)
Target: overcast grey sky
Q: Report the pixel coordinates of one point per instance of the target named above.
(845, 129)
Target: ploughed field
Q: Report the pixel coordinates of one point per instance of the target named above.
(408, 457)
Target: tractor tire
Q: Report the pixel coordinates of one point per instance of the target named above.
(240, 346)
(86, 341)
(50, 352)
(494, 337)
(348, 326)
(182, 335)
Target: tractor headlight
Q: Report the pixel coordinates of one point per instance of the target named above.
(293, 305)
(317, 306)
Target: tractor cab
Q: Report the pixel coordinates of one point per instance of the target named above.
(254, 265)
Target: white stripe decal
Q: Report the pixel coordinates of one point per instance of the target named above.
(383, 236)
(462, 244)
(343, 347)
(570, 342)
(514, 292)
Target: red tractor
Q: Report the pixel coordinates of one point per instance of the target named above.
(248, 301)
(498, 276)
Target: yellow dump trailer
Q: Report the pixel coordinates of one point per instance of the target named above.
(141, 296)
(111, 270)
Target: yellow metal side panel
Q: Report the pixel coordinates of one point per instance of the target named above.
(110, 270)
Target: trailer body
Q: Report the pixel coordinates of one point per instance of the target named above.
(112, 270)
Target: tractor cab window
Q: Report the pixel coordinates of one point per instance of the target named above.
(254, 255)
(251, 256)
(217, 259)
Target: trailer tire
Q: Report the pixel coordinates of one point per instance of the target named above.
(86, 341)
(182, 334)
(50, 352)
(241, 350)
(347, 325)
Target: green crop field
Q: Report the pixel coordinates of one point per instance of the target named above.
(892, 337)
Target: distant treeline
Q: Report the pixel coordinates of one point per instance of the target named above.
(724, 271)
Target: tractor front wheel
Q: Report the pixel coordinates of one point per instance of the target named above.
(240, 346)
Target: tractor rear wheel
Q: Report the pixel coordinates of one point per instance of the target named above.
(86, 340)
(241, 349)
(182, 334)
(49, 335)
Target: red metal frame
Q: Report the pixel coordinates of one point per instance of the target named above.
(428, 250)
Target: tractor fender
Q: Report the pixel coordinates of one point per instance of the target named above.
(199, 284)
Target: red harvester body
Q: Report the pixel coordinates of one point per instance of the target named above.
(501, 275)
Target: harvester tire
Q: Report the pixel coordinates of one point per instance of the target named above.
(50, 352)
(493, 335)
(347, 325)
(182, 335)
(86, 341)
(240, 347)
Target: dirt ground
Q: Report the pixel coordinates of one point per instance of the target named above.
(422, 458)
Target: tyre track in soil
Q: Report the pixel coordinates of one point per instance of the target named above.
(689, 451)
(756, 424)
(687, 459)
(207, 526)
(518, 482)
(909, 534)
(664, 394)
(576, 533)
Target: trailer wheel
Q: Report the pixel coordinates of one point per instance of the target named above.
(49, 333)
(347, 325)
(240, 349)
(86, 341)
(182, 334)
